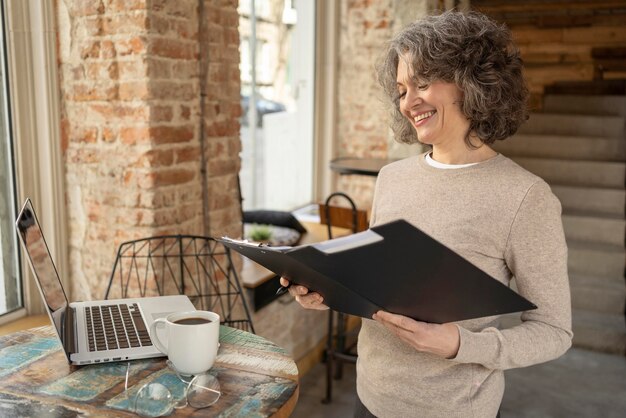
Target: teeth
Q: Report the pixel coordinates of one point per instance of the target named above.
(423, 116)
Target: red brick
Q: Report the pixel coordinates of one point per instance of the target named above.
(122, 112)
(77, 73)
(107, 49)
(133, 46)
(124, 6)
(171, 134)
(165, 177)
(124, 23)
(91, 50)
(212, 13)
(135, 134)
(108, 135)
(159, 68)
(181, 9)
(132, 69)
(173, 90)
(134, 90)
(174, 176)
(187, 154)
(166, 216)
(231, 36)
(82, 156)
(155, 158)
(85, 7)
(161, 113)
(84, 135)
(158, 5)
(89, 92)
(171, 48)
(129, 177)
(185, 112)
(222, 167)
(185, 69)
(185, 29)
(235, 110)
(218, 129)
(229, 18)
(216, 36)
(217, 73)
(102, 70)
(90, 25)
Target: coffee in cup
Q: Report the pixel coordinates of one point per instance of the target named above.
(192, 340)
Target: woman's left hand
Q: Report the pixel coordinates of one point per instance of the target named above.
(440, 339)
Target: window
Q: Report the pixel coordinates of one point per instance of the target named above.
(32, 104)
(10, 284)
(277, 139)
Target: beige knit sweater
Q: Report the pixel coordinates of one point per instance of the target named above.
(506, 221)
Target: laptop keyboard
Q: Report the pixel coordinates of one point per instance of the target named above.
(110, 327)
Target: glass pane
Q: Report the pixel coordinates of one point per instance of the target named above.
(277, 139)
(10, 288)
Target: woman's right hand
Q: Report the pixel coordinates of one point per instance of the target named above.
(308, 300)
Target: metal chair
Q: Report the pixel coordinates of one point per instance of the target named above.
(196, 266)
(341, 344)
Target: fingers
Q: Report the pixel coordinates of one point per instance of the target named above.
(298, 290)
(397, 321)
(311, 300)
(387, 316)
(307, 299)
(294, 290)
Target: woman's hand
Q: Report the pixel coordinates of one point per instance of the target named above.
(439, 339)
(308, 300)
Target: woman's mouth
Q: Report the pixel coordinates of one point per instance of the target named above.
(423, 116)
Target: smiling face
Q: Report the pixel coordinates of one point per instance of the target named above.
(433, 109)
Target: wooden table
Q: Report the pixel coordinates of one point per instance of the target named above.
(362, 166)
(257, 378)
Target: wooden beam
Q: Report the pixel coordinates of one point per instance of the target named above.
(540, 6)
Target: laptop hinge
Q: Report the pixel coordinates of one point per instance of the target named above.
(69, 331)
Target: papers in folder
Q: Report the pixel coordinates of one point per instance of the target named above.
(393, 267)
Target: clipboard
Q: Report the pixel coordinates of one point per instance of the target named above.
(394, 267)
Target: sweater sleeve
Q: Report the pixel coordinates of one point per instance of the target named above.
(536, 254)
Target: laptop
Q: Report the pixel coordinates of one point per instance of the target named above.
(94, 331)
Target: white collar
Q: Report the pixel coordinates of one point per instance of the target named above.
(437, 164)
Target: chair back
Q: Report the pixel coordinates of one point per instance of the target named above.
(340, 216)
(196, 266)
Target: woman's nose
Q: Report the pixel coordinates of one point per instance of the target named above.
(413, 98)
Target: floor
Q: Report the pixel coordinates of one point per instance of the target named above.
(581, 384)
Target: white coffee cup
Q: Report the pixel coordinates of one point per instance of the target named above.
(192, 340)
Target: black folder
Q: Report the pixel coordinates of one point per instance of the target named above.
(394, 267)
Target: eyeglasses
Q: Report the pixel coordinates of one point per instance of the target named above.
(168, 391)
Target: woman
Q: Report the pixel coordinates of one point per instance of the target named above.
(455, 83)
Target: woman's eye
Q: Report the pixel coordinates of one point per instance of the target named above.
(422, 86)
(401, 94)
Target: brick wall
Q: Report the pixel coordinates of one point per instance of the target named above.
(362, 121)
(131, 125)
(363, 127)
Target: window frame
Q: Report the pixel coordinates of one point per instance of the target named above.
(34, 100)
(10, 159)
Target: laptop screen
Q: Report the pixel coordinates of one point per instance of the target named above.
(43, 268)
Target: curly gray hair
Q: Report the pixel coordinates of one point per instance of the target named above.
(471, 51)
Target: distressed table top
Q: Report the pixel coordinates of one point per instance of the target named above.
(257, 379)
